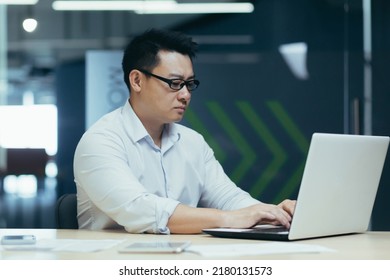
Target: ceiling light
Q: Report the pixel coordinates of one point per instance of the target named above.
(155, 7)
(202, 8)
(112, 5)
(30, 24)
(18, 2)
(295, 56)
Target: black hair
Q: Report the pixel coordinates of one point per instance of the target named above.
(142, 51)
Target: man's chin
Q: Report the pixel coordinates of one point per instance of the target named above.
(177, 118)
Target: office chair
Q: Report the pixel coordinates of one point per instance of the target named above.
(66, 212)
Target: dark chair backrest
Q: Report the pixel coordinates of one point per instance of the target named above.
(66, 212)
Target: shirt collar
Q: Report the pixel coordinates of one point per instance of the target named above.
(133, 124)
(170, 136)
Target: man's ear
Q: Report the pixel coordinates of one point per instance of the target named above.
(135, 80)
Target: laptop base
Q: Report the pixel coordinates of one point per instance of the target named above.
(247, 235)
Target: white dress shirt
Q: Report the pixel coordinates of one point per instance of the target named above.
(124, 180)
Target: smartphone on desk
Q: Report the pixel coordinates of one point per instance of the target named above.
(18, 240)
(155, 247)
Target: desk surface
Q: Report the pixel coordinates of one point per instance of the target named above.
(364, 246)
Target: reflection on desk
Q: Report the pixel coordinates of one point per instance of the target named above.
(364, 246)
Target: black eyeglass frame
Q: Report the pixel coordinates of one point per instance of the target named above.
(170, 82)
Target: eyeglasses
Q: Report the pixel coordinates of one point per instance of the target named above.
(175, 84)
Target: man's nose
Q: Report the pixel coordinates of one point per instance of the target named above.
(184, 93)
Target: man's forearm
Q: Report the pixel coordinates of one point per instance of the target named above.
(189, 220)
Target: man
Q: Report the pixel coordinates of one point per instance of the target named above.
(137, 169)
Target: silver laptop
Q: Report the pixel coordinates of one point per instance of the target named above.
(337, 191)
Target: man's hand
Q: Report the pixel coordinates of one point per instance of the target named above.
(187, 219)
(261, 213)
(288, 206)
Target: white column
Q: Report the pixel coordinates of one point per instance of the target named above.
(3, 53)
(3, 71)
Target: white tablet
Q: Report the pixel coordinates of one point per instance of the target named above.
(155, 247)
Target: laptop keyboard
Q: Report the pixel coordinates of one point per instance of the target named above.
(279, 230)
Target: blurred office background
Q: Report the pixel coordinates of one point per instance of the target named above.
(271, 75)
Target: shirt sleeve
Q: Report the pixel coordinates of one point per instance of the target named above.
(219, 191)
(102, 171)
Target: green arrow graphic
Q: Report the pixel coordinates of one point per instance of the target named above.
(293, 131)
(197, 125)
(247, 152)
(279, 155)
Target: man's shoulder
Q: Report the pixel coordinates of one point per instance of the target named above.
(109, 126)
(107, 120)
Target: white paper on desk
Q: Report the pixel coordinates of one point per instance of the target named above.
(230, 250)
(67, 245)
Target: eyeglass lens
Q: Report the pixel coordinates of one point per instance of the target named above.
(179, 84)
(176, 84)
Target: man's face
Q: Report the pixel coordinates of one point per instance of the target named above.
(159, 103)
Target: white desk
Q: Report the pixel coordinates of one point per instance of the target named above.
(366, 246)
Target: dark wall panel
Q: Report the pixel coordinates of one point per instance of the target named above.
(381, 103)
(70, 87)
